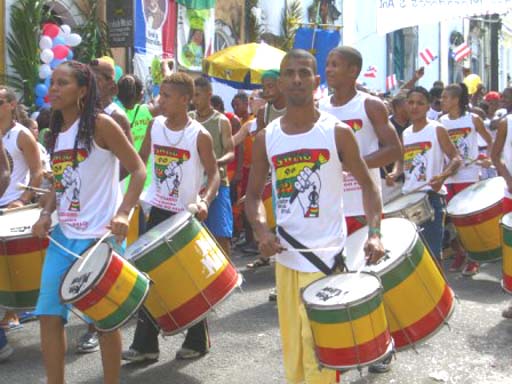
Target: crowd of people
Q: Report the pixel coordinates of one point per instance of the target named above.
(99, 148)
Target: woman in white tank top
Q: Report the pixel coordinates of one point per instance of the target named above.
(86, 147)
(426, 143)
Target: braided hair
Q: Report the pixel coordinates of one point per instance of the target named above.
(460, 91)
(130, 89)
(88, 110)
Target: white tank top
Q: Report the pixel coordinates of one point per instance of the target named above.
(354, 114)
(177, 172)
(423, 157)
(464, 136)
(308, 186)
(113, 107)
(89, 195)
(507, 151)
(20, 172)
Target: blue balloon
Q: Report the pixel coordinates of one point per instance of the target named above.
(48, 81)
(41, 90)
(70, 55)
(46, 106)
(59, 41)
(55, 63)
(39, 102)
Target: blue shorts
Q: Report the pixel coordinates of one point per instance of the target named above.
(220, 215)
(56, 264)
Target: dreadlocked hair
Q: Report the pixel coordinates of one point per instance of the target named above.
(88, 110)
(460, 91)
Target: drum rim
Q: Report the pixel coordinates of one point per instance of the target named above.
(480, 210)
(161, 239)
(379, 291)
(95, 280)
(384, 212)
(505, 226)
(54, 220)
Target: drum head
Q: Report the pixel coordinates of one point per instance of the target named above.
(19, 223)
(75, 283)
(477, 197)
(342, 289)
(506, 220)
(402, 202)
(398, 237)
(156, 235)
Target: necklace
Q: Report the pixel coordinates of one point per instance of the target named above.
(179, 138)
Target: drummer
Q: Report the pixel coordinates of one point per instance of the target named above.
(304, 150)
(86, 148)
(426, 143)
(463, 128)
(502, 160)
(186, 147)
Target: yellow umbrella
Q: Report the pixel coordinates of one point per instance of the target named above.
(241, 66)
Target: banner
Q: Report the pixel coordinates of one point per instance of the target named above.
(155, 34)
(196, 31)
(397, 14)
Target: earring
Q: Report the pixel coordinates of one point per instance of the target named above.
(80, 104)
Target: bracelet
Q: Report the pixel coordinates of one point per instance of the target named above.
(374, 231)
(45, 213)
(206, 202)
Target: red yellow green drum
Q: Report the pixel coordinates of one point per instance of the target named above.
(347, 319)
(476, 212)
(106, 288)
(21, 259)
(190, 272)
(417, 298)
(506, 228)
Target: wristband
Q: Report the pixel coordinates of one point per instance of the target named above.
(206, 202)
(374, 231)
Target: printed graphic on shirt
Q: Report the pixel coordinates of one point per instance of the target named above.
(415, 160)
(169, 173)
(9, 160)
(67, 179)
(297, 178)
(459, 138)
(355, 124)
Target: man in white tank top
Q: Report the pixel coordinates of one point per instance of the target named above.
(368, 118)
(304, 149)
(182, 152)
(22, 153)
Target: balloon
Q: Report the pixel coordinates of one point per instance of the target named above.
(45, 42)
(45, 71)
(66, 29)
(46, 99)
(59, 40)
(46, 55)
(60, 51)
(41, 90)
(70, 55)
(51, 30)
(472, 81)
(119, 72)
(47, 82)
(39, 101)
(46, 106)
(55, 63)
(73, 40)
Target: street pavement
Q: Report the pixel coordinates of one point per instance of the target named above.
(476, 348)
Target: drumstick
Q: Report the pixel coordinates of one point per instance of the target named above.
(32, 189)
(92, 250)
(10, 210)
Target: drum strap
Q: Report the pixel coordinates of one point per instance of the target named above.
(311, 257)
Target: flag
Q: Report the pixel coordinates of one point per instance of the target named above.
(371, 72)
(391, 82)
(427, 56)
(461, 51)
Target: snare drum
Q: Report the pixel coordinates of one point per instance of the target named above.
(107, 289)
(506, 228)
(190, 272)
(21, 259)
(413, 206)
(347, 320)
(476, 212)
(417, 298)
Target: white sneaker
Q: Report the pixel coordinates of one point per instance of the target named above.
(6, 352)
(137, 357)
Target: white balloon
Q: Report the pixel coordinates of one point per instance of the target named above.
(46, 56)
(66, 29)
(73, 40)
(45, 42)
(44, 71)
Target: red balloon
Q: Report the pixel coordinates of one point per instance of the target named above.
(51, 30)
(46, 99)
(60, 52)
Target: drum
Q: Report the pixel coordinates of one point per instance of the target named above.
(413, 206)
(476, 212)
(107, 289)
(506, 228)
(266, 197)
(134, 225)
(21, 259)
(347, 320)
(417, 298)
(190, 272)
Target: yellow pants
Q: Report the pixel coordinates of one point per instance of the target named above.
(300, 364)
